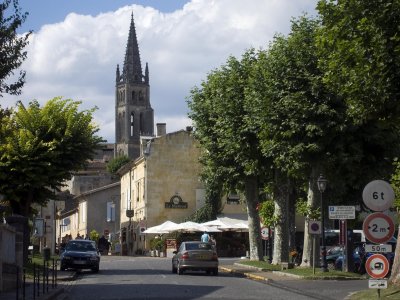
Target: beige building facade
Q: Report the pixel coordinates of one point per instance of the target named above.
(162, 184)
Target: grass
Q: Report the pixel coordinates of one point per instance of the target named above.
(37, 259)
(307, 273)
(391, 293)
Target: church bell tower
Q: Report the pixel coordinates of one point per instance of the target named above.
(134, 116)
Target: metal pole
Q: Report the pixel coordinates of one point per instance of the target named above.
(313, 254)
(323, 247)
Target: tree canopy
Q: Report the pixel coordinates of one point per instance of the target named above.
(40, 148)
(12, 46)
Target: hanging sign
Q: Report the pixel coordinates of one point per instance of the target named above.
(378, 228)
(377, 266)
(378, 195)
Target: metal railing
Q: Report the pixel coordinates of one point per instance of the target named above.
(36, 281)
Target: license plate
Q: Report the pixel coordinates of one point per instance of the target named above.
(202, 257)
(79, 262)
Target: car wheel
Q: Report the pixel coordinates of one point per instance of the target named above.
(180, 271)
(62, 268)
(95, 270)
(208, 272)
(215, 272)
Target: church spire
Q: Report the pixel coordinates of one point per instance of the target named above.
(132, 70)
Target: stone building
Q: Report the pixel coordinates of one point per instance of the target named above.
(162, 184)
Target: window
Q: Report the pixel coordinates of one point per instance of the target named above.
(110, 211)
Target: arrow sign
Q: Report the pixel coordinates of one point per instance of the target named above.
(378, 228)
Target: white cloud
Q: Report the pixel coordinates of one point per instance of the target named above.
(77, 58)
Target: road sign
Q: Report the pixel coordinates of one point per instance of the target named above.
(378, 228)
(342, 212)
(377, 266)
(383, 248)
(377, 284)
(314, 227)
(264, 233)
(378, 195)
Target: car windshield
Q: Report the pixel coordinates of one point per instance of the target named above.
(198, 246)
(77, 246)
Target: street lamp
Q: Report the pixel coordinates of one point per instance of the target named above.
(321, 182)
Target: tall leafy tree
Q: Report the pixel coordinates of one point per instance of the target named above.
(225, 129)
(12, 46)
(40, 147)
(300, 119)
(359, 48)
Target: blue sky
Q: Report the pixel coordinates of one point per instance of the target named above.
(52, 11)
(77, 44)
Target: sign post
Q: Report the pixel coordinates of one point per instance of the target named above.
(264, 236)
(378, 228)
(314, 228)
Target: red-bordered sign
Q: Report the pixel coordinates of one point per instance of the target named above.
(264, 233)
(377, 266)
(378, 228)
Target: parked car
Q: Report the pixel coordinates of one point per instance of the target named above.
(195, 255)
(331, 256)
(358, 256)
(80, 254)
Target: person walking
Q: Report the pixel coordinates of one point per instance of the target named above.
(205, 238)
(213, 243)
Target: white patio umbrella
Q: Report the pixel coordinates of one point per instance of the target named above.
(190, 226)
(214, 223)
(161, 229)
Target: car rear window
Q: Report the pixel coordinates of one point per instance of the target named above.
(198, 246)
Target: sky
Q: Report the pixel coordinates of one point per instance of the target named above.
(76, 46)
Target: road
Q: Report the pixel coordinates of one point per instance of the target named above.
(123, 277)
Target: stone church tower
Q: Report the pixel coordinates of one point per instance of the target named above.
(134, 116)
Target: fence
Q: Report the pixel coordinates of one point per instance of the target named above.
(33, 281)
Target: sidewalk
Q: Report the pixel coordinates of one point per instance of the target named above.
(63, 280)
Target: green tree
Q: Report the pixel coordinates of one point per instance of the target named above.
(12, 52)
(116, 163)
(224, 127)
(300, 121)
(359, 48)
(40, 148)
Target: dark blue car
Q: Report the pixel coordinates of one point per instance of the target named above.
(360, 257)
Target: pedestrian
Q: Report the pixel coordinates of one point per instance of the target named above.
(213, 243)
(102, 244)
(205, 238)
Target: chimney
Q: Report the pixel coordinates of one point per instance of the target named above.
(161, 129)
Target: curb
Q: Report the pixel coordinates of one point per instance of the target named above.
(244, 274)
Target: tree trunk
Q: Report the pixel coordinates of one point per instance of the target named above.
(251, 193)
(281, 235)
(395, 275)
(292, 219)
(308, 258)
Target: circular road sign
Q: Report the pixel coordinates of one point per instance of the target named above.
(314, 227)
(378, 228)
(264, 233)
(377, 266)
(378, 195)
